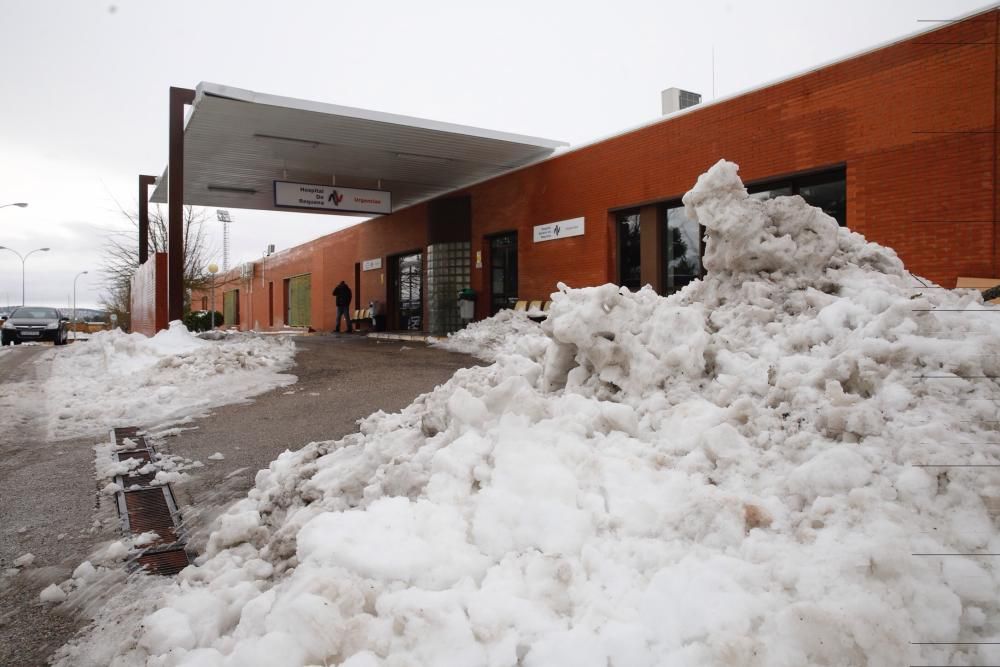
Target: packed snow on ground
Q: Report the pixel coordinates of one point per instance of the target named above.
(117, 379)
(727, 476)
(507, 332)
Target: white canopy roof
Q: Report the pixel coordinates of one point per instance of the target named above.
(238, 142)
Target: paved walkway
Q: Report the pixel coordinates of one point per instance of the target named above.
(341, 379)
(48, 489)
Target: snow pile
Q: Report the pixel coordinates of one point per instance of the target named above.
(117, 379)
(24, 560)
(728, 476)
(167, 468)
(507, 332)
(52, 593)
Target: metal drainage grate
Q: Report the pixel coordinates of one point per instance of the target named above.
(148, 510)
(119, 434)
(151, 508)
(142, 455)
(168, 562)
(140, 479)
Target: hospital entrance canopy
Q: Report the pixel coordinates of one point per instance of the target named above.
(240, 146)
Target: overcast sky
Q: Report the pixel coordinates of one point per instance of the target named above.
(84, 87)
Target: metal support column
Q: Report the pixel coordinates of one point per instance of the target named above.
(144, 183)
(175, 203)
(651, 248)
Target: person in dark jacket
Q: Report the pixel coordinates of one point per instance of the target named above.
(342, 295)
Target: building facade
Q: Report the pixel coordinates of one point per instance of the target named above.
(898, 143)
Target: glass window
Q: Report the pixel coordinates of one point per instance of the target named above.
(827, 190)
(772, 192)
(503, 271)
(35, 314)
(831, 196)
(682, 250)
(410, 273)
(629, 267)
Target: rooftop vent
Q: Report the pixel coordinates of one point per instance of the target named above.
(675, 99)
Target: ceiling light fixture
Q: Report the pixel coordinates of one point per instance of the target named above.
(417, 157)
(294, 140)
(229, 188)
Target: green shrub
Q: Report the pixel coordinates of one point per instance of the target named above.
(201, 320)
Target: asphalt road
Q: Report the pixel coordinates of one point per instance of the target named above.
(47, 490)
(48, 504)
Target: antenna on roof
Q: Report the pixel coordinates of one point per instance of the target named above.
(713, 71)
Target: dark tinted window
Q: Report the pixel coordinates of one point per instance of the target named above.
(681, 249)
(503, 271)
(831, 196)
(826, 190)
(629, 268)
(36, 313)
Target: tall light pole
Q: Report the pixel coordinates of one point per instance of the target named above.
(19, 204)
(23, 259)
(74, 302)
(224, 217)
(213, 269)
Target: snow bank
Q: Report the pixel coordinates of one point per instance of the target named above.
(118, 379)
(508, 332)
(728, 476)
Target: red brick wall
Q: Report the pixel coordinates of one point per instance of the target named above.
(915, 124)
(149, 295)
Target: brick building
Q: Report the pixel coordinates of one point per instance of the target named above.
(898, 143)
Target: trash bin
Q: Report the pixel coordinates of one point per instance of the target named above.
(467, 304)
(376, 315)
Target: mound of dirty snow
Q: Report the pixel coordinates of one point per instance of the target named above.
(117, 379)
(507, 332)
(734, 475)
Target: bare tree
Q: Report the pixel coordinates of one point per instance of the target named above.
(121, 258)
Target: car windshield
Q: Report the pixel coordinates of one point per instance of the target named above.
(35, 314)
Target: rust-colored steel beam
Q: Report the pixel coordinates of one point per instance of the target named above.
(144, 183)
(175, 203)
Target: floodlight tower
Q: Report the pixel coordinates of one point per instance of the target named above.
(224, 217)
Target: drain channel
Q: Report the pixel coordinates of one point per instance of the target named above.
(144, 507)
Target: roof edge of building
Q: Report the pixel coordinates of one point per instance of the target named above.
(726, 98)
(253, 97)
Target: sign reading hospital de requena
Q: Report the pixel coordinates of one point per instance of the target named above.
(559, 230)
(331, 198)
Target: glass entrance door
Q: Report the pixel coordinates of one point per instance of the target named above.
(503, 271)
(629, 250)
(409, 275)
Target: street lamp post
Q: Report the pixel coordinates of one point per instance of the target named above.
(212, 270)
(74, 302)
(23, 258)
